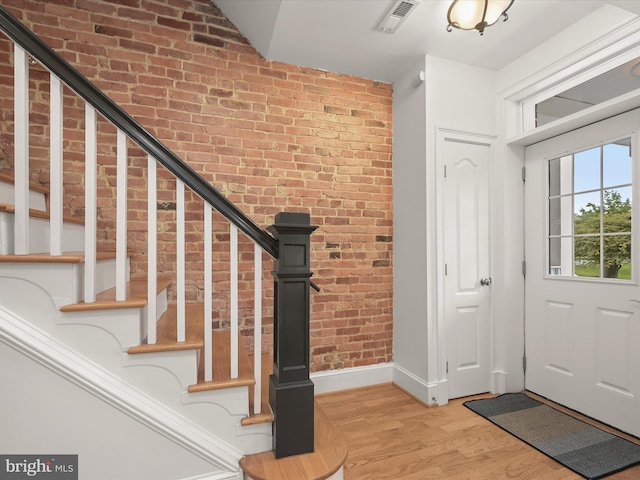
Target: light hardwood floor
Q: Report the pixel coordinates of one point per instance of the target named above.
(392, 436)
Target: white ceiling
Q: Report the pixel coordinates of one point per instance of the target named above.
(340, 36)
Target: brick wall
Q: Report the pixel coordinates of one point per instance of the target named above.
(272, 137)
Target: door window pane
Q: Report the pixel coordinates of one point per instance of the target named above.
(586, 170)
(560, 216)
(616, 215)
(561, 256)
(616, 164)
(590, 213)
(561, 176)
(617, 257)
(587, 256)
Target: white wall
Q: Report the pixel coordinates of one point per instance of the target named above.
(409, 228)
(453, 96)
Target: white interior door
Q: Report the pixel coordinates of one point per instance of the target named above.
(466, 251)
(582, 324)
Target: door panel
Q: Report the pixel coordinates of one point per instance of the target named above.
(466, 252)
(581, 334)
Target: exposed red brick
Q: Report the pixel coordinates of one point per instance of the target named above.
(213, 41)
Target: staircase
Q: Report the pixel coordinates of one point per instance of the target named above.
(128, 335)
(46, 291)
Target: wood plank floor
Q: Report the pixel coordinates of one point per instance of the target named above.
(392, 436)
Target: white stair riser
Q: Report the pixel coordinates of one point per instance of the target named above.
(64, 281)
(36, 199)
(123, 324)
(72, 236)
(234, 400)
(127, 325)
(182, 363)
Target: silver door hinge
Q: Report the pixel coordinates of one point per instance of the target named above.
(447, 367)
(524, 174)
(445, 269)
(524, 364)
(524, 268)
(445, 171)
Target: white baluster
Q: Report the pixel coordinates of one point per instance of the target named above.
(121, 217)
(257, 328)
(152, 256)
(21, 150)
(56, 166)
(233, 234)
(208, 288)
(180, 267)
(90, 202)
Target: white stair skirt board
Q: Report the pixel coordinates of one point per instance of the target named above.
(346, 378)
(40, 347)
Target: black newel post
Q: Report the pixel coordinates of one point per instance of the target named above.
(290, 389)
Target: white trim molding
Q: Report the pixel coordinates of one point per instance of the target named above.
(346, 378)
(498, 381)
(218, 476)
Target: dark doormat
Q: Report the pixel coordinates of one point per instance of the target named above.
(583, 448)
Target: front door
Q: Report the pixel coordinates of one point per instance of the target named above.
(582, 322)
(467, 281)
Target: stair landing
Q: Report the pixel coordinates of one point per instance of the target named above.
(326, 461)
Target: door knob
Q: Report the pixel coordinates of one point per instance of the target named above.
(485, 282)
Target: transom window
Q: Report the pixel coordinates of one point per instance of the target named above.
(590, 219)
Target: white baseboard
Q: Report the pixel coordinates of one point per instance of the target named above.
(427, 393)
(346, 378)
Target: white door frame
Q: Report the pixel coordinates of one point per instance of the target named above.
(439, 329)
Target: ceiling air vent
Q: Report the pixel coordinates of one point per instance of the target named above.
(398, 12)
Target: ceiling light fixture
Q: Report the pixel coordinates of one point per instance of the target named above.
(476, 14)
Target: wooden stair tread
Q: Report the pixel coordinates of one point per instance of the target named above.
(329, 455)
(167, 331)
(8, 208)
(221, 366)
(265, 415)
(36, 187)
(66, 257)
(136, 297)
